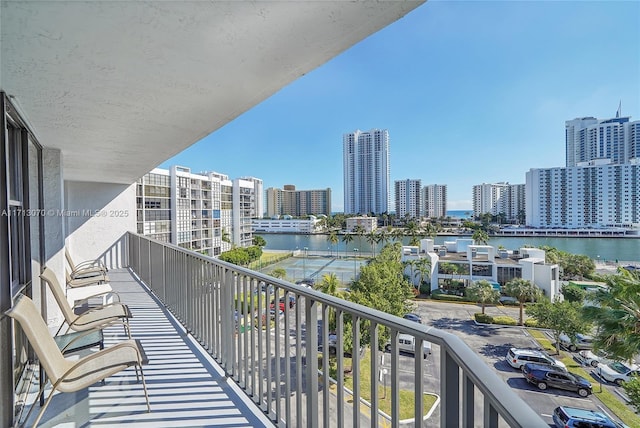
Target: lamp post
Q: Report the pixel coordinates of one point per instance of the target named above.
(355, 258)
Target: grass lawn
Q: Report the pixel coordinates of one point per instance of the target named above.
(407, 397)
(610, 400)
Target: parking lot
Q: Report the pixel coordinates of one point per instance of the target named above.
(492, 343)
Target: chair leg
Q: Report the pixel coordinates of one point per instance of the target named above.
(36, 401)
(144, 387)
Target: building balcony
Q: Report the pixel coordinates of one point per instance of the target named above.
(214, 362)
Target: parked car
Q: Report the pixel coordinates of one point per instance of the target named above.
(407, 343)
(281, 305)
(589, 358)
(618, 372)
(292, 300)
(573, 417)
(518, 357)
(581, 341)
(307, 281)
(545, 376)
(413, 317)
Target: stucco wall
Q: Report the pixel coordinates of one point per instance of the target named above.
(98, 216)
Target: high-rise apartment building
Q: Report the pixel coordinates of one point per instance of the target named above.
(592, 196)
(205, 212)
(408, 198)
(297, 203)
(434, 200)
(366, 172)
(600, 185)
(499, 199)
(590, 139)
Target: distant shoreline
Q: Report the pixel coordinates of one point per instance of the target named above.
(567, 233)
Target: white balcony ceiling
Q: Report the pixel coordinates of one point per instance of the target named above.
(121, 86)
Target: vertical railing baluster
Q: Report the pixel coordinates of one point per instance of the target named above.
(468, 393)
(261, 357)
(355, 369)
(375, 372)
(311, 372)
(269, 360)
(277, 351)
(490, 417)
(340, 365)
(395, 379)
(449, 390)
(299, 370)
(326, 391)
(419, 359)
(287, 360)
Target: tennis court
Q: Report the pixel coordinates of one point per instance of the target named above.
(314, 266)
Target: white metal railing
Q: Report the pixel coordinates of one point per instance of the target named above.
(275, 359)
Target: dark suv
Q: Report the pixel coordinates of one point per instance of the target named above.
(573, 417)
(547, 376)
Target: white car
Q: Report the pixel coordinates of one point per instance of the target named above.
(589, 358)
(618, 372)
(407, 343)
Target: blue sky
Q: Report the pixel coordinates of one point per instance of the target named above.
(471, 92)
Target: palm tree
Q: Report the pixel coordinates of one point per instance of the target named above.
(360, 231)
(412, 230)
(423, 269)
(333, 238)
(397, 234)
(330, 285)
(523, 291)
(480, 236)
(483, 292)
(430, 230)
(373, 238)
(346, 238)
(412, 264)
(616, 313)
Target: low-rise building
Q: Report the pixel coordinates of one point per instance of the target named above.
(287, 224)
(461, 262)
(369, 224)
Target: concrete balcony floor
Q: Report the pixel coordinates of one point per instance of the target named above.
(186, 386)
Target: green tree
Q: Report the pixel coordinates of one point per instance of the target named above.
(259, 241)
(483, 292)
(382, 286)
(480, 237)
(559, 317)
(523, 291)
(616, 314)
(632, 390)
(225, 236)
(573, 293)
